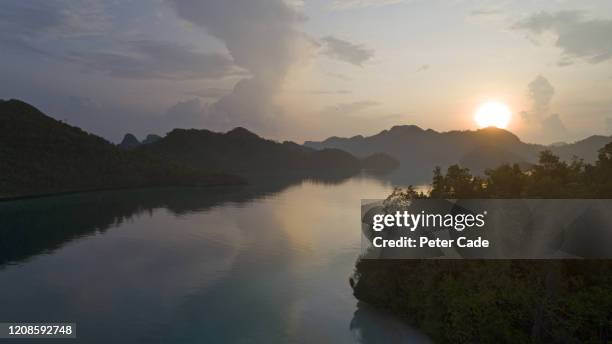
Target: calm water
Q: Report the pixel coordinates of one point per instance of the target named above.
(267, 263)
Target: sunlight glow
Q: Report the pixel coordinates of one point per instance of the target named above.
(493, 114)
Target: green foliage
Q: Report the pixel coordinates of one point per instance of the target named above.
(243, 152)
(550, 178)
(484, 301)
(41, 155)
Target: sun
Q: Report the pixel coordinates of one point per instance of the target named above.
(493, 114)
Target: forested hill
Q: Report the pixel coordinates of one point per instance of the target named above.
(244, 152)
(474, 149)
(40, 155)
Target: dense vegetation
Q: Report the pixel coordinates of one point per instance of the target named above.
(550, 178)
(512, 301)
(40, 155)
(241, 151)
(477, 149)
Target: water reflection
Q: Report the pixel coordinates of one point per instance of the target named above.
(267, 262)
(34, 226)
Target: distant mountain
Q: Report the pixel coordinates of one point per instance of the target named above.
(421, 150)
(150, 139)
(586, 149)
(244, 152)
(379, 162)
(40, 155)
(483, 157)
(129, 142)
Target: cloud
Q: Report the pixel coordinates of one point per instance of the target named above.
(81, 32)
(349, 108)
(28, 26)
(342, 50)
(151, 59)
(542, 125)
(423, 68)
(484, 12)
(339, 5)
(185, 114)
(323, 92)
(262, 38)
(553, 128)
(577, 36)
(540, 92)
(210, 92)
(58, 18)
(343, 77)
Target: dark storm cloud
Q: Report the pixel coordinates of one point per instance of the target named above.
(356, 54)
(262, 38)
(577, 36)
(150, 59)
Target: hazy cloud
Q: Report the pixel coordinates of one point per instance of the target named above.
(323, 92)
(186, 114)
(343, 77)
(577, 36)
(60, 18)
(540, 92)
(210, 92)
(349, 108)
(339, 5)
(543, 125)
(150, 59)
(484, 12)
(261, 37)
(553, 128)
(423, 68)
(346, 51)
(29, 26)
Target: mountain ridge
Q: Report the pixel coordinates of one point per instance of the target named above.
(41, 155)
(421, 148)
(244, 152)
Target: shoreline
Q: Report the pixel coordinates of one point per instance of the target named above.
(84, 191)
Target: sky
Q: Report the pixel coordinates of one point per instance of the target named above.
(306, 70)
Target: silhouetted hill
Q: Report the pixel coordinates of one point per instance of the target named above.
(585, 149)
(129, 142)
(40, 155)
(150, 139)
(420, 149)
(484, 157)
(379, 162)
(244, 152)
